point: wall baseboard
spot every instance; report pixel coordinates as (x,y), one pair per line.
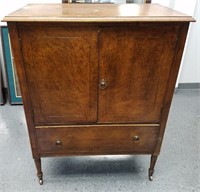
(189,86)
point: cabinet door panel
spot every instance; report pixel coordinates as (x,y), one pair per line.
(62,73)
(136,63)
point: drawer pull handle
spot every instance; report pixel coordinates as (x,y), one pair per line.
(103,84)
(58,142)
(136,138)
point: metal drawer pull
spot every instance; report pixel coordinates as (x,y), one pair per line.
(58,142)
(136,138)
(103,84)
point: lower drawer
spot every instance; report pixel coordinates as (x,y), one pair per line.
(75,140)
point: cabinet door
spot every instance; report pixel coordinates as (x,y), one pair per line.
(62,72)
(135,65)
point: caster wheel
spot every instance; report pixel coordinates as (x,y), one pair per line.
(41,181)
(151,178)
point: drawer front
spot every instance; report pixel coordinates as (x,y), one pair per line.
(96,139)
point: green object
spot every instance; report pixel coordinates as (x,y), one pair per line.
(14,95)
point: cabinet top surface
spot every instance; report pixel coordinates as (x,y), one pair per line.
(96,13)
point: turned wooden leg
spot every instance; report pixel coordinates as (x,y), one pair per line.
(39,171)
(152,165)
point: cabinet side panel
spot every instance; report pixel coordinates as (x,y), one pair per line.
(16,50)
(171,84)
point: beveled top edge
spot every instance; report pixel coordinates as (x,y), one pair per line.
(96,13)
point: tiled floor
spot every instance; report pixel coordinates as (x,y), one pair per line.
(177,168)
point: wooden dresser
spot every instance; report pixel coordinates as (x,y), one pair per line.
(97,79)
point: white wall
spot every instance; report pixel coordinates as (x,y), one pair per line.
(190,72)
(190,65)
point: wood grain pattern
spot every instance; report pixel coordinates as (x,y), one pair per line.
(62,71)
(136,64)
(96,140)
(97,13)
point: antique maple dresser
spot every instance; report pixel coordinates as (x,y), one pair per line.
(97,79)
